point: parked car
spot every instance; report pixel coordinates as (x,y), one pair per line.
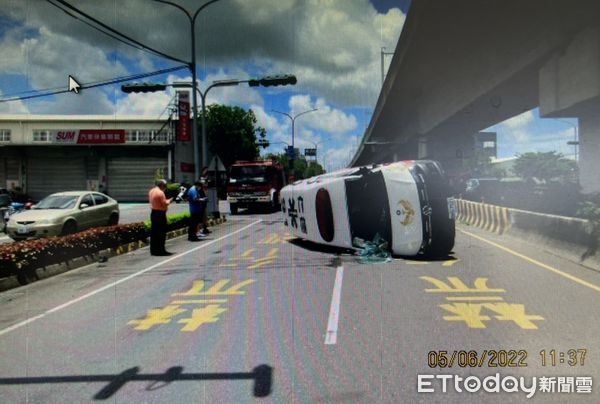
(407,204)
(64,213)
(5,200)
(8,211)
(14,195)
(482,188)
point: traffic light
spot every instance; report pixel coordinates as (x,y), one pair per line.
(267,81)
(282,80)
(143,87)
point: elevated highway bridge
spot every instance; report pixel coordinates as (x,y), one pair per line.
(462,66)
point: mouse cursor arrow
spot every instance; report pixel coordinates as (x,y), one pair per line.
(74,85)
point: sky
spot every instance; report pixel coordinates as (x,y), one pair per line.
(332,46)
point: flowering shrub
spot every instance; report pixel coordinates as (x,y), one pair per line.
(25,256)
(174,221)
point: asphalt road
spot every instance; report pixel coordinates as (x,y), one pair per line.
(207,324)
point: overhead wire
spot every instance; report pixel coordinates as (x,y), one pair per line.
(98,29)
(45,93)
(101,24)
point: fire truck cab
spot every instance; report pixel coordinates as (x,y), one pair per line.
(255,184)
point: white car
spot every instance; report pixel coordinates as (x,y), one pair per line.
(64,213)
(407,203)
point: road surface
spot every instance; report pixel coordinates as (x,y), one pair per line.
(251,315)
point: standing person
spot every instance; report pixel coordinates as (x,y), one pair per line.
(204,220)
(158,217)
(196,200)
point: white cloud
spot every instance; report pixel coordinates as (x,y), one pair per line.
(146,104)
(336,158)
(332,46)
(326,118)
(13,107)
(49,58)
(519,121)
(267,121)
(240,94)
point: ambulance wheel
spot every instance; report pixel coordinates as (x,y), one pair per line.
(233,208)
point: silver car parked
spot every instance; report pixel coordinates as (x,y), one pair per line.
(64,213)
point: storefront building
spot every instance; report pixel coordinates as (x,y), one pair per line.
(120,156)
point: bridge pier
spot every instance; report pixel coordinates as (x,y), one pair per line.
(570,87)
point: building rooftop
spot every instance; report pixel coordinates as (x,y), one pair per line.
(76,118)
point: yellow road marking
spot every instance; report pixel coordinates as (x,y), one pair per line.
(248,253)
(470,298)
(469,313)
(208,314)
(458,286)
(449,263)
(536,262)
(157,317)
(515,313)
(201,301)
(216,289)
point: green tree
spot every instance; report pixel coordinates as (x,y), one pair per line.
(481,166)
(545,167)
(302,168)
(232,133)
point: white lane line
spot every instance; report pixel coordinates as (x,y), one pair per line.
(334,310)
(111,285)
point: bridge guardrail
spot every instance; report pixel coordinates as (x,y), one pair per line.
(575,239)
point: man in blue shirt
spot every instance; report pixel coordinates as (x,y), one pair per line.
(197,201)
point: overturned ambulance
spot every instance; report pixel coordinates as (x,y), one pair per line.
(407,203)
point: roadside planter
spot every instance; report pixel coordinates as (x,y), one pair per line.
(21,259)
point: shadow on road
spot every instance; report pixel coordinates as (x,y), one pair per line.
(425,258)
(262,376)
(323,248)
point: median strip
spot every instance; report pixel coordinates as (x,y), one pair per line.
(31,260)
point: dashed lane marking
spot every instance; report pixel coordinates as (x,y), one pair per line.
(334,311)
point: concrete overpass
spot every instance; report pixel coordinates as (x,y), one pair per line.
(462,66)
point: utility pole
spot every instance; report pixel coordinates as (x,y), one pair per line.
(192,67)
(383,54)
(293,119)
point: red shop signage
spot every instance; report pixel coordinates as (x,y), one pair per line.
(101,136)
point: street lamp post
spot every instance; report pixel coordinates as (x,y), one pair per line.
(293,119)
(287,79)
(192,67)
(575,141)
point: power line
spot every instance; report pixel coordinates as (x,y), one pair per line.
(45,93)
(100,30)
(100,23)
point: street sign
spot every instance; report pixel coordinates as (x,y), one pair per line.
(216,165)
(310,152)
(290,152)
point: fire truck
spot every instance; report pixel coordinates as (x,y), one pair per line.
(255,184)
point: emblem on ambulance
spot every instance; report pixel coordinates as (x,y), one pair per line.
(405,211)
